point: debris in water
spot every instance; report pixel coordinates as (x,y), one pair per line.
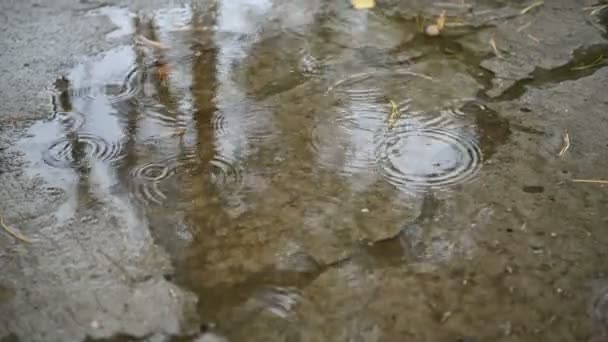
(392,119)
(446,315)
(591,181)
(566,143)
(14,233)
(150,43)
(532,6)
(162,71)
(494,48)
(598,61)
(363,4)
(435,29)
(536,40)
(524,26)
(595,9)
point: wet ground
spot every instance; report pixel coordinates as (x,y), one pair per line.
(267,170)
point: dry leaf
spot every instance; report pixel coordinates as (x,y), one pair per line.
(441,21)
(162,71)
(363,4)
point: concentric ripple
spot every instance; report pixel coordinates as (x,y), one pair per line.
(429,158)
(245,120)
(225,175)
(152,172)
(163,117)
(114,92)
(69,120)
(76,149)
(149,182)
(147,179)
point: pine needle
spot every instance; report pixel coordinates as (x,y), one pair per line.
(536,40)
(14,233)
(598,61)
(566,144)
(524,26)
(591,181)
(493,45)
(531,7)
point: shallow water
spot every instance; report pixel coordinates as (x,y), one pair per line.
(275,147)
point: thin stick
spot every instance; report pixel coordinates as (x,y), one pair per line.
(14,233)
(590,181)
(532,6)
(566,144)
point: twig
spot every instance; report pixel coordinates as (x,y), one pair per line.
(14,233)
(532,6)
(566,144)
(590,181)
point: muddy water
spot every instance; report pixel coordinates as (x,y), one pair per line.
(283,153)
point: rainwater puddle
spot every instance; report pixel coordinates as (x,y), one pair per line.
(208,118)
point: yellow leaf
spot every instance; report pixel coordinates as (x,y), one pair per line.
(394,116)
(363,4)
(441,21)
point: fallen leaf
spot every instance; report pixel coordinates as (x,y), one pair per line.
(363,4)
(162,72)
(441,21)
(394,116)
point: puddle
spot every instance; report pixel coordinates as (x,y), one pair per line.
(261,132)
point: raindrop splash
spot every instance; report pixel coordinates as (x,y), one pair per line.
(75,149)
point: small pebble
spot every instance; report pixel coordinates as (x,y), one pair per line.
(446,315)
(432,30)
(365,210)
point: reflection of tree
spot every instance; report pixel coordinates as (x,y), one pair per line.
(204,85)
